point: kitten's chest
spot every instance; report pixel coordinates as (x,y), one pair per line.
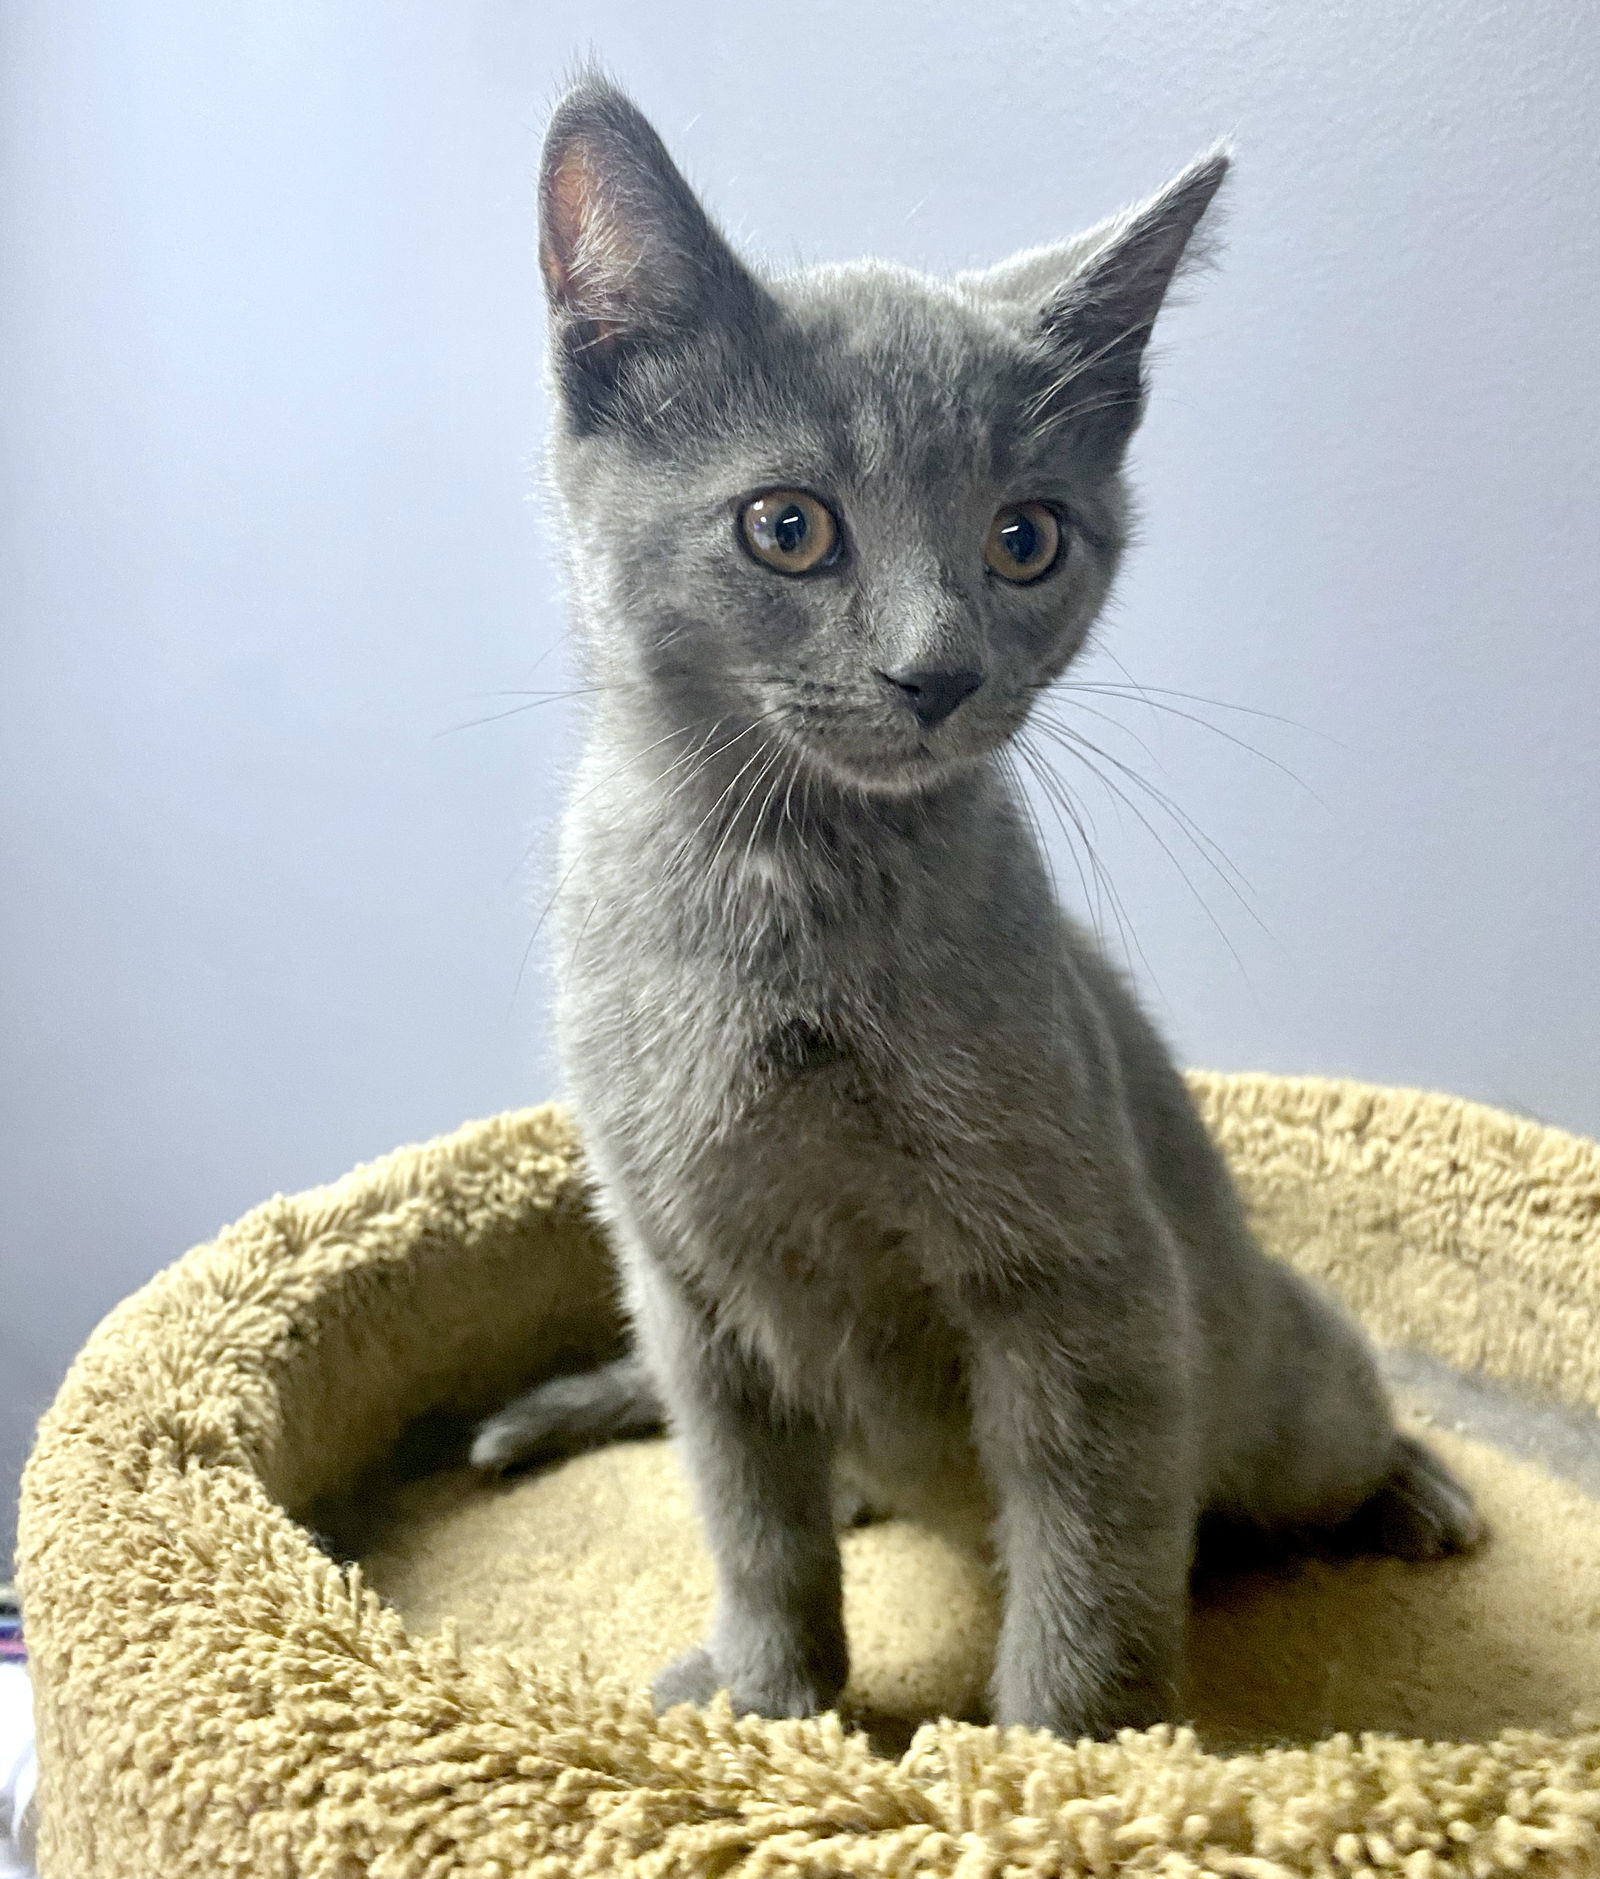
(756,988)
(769,1078)
(825,1067)
(822,1269)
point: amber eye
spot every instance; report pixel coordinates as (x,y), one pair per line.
(789,531)
(1024,542)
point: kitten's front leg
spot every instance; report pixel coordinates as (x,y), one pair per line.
(1085,1445)
(762,1480)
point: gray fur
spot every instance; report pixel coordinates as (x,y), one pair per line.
(907,1194)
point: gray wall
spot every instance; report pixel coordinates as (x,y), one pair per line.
(269,377)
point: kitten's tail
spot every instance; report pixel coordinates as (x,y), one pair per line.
(570,1414)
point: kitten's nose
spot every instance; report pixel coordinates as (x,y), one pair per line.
(934,695)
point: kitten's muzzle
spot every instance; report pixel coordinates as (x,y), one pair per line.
(931,694)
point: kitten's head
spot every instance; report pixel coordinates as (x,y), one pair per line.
(874,511)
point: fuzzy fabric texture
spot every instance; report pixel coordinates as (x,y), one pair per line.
(218,1697)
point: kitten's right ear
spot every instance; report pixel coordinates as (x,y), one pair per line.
(631,261)
(1095,300)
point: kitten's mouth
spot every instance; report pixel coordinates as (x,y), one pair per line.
(864,753)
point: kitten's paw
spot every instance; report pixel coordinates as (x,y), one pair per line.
(518,1433)
(567,1414)
(695,1678)
(691,1678)
(1422,1512)
(854,1507)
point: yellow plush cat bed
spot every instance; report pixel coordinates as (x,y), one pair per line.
(218,1697)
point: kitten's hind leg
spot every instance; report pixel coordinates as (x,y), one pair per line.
(1421,1512)
(1418,1512)
(567,1415)
(1336,1475)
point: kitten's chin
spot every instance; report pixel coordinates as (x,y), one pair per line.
(880,773)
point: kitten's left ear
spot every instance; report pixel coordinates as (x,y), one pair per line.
(632,264)
(1096,298)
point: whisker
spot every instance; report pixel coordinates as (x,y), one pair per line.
(1066,810)
(773,756)
(1210,851)
(577,944)
(682,849)
(555,893)
(538,927)
(1116,724)
(714,719)
(766,803)
(535,700)
(1106,892)
(1217,730)
(1071,746)
(1148,692)
(788,792)
(560,639)
(755,724)
(679,730)
(1020,791)
(1020,796)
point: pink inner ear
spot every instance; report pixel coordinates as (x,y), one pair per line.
(584,257)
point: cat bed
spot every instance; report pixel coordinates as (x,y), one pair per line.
(218,1695)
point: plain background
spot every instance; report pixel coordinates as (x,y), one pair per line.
(270,344)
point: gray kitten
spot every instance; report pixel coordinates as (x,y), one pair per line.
(912,1208)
